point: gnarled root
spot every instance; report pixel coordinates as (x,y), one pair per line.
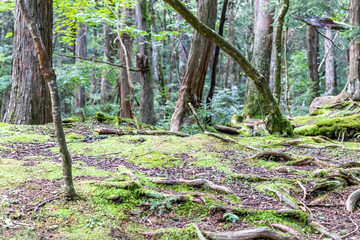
(270,154)
(352,200)
(253,233)
(194,183)
(314,161)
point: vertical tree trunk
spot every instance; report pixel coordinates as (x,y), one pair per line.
(4,102)
(352,87)
(80,51)
(44,60)
(30,98)
(254,103)
(144,77)
(216,58)
(329,64)
(105,84)
(230,63)
(275,70)
(126,93)
(312,42)
(192,84)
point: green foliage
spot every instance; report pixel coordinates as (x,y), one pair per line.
(230,217)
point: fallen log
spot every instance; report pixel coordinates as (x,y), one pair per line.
(105,131)
(352,200)
(194,183)
(226,129)
(253,233)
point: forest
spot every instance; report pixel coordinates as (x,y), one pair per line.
(169,119)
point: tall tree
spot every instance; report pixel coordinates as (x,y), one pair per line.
(255,102)
(329,63)
(144,52)
(126,90)
(275,122)
(29,98)
(80,51)
(44,61)
(312,43)
(352,87)
(191,89)
(105,84)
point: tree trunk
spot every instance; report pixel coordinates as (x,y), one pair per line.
(352,87)
(4,102)
(329,64)
(144,77)
(105,87)
(49,76)
(216,58)
(30,98)
(80,51)
(312,42)
(275,71)
(275,121)
(230,64)
(192,84)
(254,102)
(126,93)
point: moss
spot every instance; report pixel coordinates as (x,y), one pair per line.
(333,127)
(180,234)
(72,120)
(213,159)
(73,137)
(236,120)
(307,130)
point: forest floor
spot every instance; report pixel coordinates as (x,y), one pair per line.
(119,180)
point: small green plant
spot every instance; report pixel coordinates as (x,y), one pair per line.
(230,217)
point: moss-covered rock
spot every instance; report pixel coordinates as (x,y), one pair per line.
(73,137)
(71,120)
(236,120)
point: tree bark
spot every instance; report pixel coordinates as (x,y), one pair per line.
(80,51)
(216,58)
(255,102)
(312,42)
(275,121)
(276,56)
(49,76)
(30,98)
(126,91)
(352,87)
(105,87)
(329,64)
(192,84)
(144,77)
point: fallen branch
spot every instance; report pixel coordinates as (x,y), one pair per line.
(352,200)
(226,129)
(352,232)
(42,204)
(253,233)
(198,232)
(349,165)
(196,117)
(270,154)
(319,147)
(194,183)
(226,139)
(121,132)
(326,232)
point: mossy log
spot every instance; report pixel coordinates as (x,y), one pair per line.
(225,129)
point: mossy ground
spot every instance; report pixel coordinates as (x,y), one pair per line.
(110,208)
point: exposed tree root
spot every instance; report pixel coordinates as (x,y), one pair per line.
(253,233)
(225,129)
(326,232)
(120,132)
(230,140)
(352,232)
(283,198)
(352,200)
(349,165)
(270,154)
(251,178)
(325,187)
(194,183)
(42,204)
(319,147)
(198,232)
(122,184)
(303,188)
(311,160)
(287,229)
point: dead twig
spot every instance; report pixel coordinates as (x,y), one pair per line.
(303,188)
